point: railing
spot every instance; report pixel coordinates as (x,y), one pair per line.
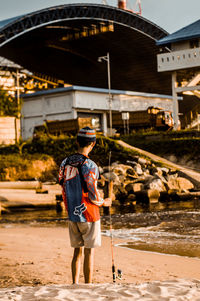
(178,59)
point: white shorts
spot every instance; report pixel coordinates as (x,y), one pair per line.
(86,234)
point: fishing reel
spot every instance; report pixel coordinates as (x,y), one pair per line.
(119,274)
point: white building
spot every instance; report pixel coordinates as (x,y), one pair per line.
(73,102)
(183,61)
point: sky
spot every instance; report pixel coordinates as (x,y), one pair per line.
(171,15)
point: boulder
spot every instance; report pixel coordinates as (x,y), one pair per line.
(143,161)
(165,170)
(157,184)
(179,183)
(153,195)
(111,176)
(184,184)
(134,187)
(138,169)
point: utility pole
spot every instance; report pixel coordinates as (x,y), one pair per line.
(107,59)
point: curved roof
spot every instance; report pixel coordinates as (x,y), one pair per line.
(65,41)
(191,31)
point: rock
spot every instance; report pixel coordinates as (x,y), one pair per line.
(159,172)
(120,193)
(142,181)
(100,170)
(172,158)
(159,176)
(129,187)
(121,178)
(131,171)
(118,170)
(143,161)
(157,184)
(184,184)
(179,183)
(121,169)
(148,179)
(152,170)
(138,169)
(101,181)
(111,176)
(146,172)
(133,187)
(138,187)
(165,170)
(134,161)
(153,195)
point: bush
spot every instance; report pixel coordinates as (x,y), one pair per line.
(14,167)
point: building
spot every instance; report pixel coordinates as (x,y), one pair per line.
(72,102)
(182,60)
(65,41)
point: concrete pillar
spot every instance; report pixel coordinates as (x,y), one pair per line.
(175,102)
(104,124)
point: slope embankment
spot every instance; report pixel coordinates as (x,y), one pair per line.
(191,174)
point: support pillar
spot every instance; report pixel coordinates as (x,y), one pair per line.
(104,124)
(175,102)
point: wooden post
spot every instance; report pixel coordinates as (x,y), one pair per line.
(110,189)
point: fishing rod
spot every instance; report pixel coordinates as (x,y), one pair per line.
(110,191)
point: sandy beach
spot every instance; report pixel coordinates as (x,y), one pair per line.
(35,265)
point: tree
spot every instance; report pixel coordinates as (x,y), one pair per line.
(8,104)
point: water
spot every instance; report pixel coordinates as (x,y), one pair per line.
(171,228)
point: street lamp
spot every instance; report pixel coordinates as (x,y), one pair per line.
(107,59)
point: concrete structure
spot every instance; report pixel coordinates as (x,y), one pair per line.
(183,61)
(73,36)
(72,102)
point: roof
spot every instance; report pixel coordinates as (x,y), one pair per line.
(96,90)
(8,21)
(191,31)
(65,41)
(8,64)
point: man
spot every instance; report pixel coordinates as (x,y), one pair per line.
(78,176)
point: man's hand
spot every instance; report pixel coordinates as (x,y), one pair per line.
(107,202)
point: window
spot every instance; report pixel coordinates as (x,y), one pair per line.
(194,43)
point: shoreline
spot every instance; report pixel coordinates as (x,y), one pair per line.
(35,265)
(42,255)
(154,252)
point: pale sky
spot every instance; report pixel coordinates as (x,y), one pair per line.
(171,15)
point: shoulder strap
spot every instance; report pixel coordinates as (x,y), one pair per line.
(83,183)
(79,165)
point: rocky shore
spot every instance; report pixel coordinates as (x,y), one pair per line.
(140,180)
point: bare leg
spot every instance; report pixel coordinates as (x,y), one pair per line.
(88,264)
(76,265)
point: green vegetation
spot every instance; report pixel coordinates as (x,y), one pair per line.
(177,143)
(8,104)
(20,157)
(14,167)
(44,148)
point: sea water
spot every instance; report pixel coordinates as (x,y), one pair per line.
(171,228)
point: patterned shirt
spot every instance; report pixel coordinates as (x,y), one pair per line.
(78,175)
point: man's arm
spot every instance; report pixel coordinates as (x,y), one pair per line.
(90,176)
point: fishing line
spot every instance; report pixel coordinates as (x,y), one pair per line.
(110,189)
(111,230)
